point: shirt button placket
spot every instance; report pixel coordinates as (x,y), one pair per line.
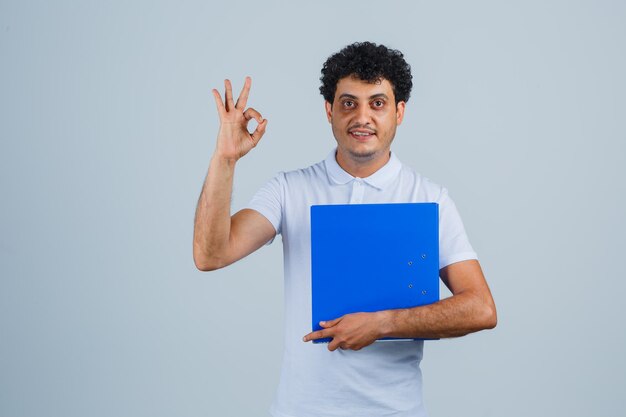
(357,191)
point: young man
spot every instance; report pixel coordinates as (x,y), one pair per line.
(365,87)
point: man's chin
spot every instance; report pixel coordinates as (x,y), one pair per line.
(362,155)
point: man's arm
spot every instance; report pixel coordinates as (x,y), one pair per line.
(470,308)
(220,239)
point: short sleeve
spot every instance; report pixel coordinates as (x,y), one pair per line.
(268,201)
(454,246)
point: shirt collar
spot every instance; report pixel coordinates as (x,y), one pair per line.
(378,179)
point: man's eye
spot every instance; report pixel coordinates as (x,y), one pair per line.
(348,103)
(378,103)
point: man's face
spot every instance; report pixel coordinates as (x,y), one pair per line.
(364,117)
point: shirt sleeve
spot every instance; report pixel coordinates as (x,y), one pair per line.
(268,201)
(454,246)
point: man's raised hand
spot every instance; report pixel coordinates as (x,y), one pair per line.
(234,140)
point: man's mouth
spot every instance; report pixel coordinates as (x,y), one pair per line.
(361,134)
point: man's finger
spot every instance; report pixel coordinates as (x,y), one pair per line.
(218,101)
(243,96)
(330,323)
(259,131)
(320,334)
(230,104)
(252,114)
(333,345)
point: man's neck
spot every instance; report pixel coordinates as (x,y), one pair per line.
(362,168)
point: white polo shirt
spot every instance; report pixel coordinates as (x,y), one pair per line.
(383,378)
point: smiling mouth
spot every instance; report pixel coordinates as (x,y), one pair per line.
(361,134)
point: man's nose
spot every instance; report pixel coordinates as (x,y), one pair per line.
(363,115)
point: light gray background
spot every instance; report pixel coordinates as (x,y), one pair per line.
(107,125)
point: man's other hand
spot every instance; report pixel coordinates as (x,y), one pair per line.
(352,331)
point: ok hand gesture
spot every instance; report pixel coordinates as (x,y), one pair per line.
(234,140)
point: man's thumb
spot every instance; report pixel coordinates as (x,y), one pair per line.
(329,323)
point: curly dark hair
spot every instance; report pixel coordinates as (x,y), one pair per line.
(368,62)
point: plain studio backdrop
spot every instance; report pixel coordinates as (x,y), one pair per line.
(107,126)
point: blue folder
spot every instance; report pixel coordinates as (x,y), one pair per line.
(372,257)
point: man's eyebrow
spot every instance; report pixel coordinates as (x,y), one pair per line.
(379,95)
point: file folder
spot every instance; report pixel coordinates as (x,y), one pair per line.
(372,257)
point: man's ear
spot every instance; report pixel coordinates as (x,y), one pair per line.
(400,112)
(329,110)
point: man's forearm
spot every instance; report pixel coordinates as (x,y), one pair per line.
(471,308)
(212,226)
(452,317)
(212,221)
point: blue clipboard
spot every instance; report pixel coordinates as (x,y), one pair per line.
(372,257)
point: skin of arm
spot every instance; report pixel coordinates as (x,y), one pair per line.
(470,308)
(220,239)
